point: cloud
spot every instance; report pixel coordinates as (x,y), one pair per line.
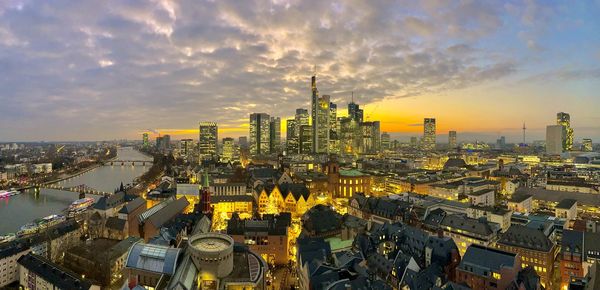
(116,67)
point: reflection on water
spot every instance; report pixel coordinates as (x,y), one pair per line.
(18,210)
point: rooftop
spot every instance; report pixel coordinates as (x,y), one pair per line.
(482,259)
(58,276)
(152,258)
(526,237)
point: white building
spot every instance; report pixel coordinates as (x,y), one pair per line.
(9,268)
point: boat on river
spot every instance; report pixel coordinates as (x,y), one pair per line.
(80,205)
(7,193)
(7,238)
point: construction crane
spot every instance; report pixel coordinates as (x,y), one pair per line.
(60,148)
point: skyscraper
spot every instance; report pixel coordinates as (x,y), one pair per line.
(305,140)
(370,137)
(413,142)
(385,141)
(260,134)
(208,140)
(452,139)
(291,137)
(321,125)
(186,146)
(166,142)
(555,135)
(228,149)
(586,145)
(243,142)
(501,143)
(145,140)
(564,119)
(355,112)
(429,134)
(275,134)
(334,141)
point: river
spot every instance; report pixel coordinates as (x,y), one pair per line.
(18,210)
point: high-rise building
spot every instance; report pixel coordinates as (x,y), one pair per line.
(291,137)
(166,142)
(350,136)
(564,119)
(243,142)
(501,143)
(321,125)
(586,145)
(228,149)
(305,140)
(334,141)
(429,134)
(452,139)
(260,134)
(275,134)
(385,141)
(145,140)
(208,140)
(413,142)
(555,135)
(370,137)
(160,143)
(355,112)
(186,146)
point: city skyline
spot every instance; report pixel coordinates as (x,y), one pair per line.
(500,64)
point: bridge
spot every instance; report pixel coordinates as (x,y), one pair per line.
(82,188)
(128,162)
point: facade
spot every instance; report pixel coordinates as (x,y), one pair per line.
(186,146)
(564,119)
(9,254)
(321,125)
(385,141)
(429,134)
(522,203)
(266,236)
(291,137)
(355,112)
(275,135)
(334,130)
(555,134)
(294,198)
(36,272)
(370,138)
(229,204)
(467,231)
(305,144)
(452,140)
(534,248)
(230,188)
(130,213)
(567,209)
(485,268)
(208,139)
(260,134)
(228,150)
(586,145)
(151,220)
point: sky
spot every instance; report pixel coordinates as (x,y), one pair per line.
(104,70)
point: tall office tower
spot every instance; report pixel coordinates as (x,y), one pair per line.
(166,142)
(350,136)
(355,112)
(243,142)
(501,143)
(321,125)
(208,140)
(186,146)
(305,140)
(160,143)
(564,119)
(413,142)
(586,145)
(370,137)
(429,134)
(260,134)
(314,103)
(385,141)
(452,139)
(228,149)
(275,135)
(334,140)
(291,137)
(145,140)
(555,134)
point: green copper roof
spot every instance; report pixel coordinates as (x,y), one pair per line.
(351,172)
(205,182)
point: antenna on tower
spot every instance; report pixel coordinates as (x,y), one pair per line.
(315,70)
(524,128)
(352,96)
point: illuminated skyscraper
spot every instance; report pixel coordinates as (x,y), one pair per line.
(305,143)
(413,142)
(452,140)
(321,125)
(354,111)
(586,145)
(275,134)
(208,140)
(564,119)
(260,134)
(243,142)
(186,146)
(145,140)
(291,137)
(555,134)
(228,149)
(429,134)
(334,130)
(371,135)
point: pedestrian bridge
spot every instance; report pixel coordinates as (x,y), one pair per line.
(128,162)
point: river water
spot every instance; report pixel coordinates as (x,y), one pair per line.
(18,210)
